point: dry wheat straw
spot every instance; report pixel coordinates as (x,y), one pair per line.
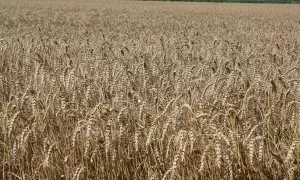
(289,155)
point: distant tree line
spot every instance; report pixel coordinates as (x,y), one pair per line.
(243,1)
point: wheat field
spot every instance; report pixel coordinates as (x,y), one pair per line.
(149,90)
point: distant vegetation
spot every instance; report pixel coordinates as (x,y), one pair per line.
(244,1)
